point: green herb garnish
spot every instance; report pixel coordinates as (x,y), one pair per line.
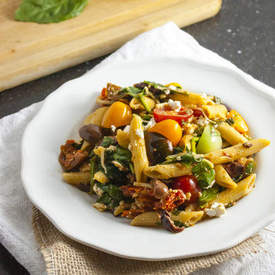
(185,158)
(49,11)
(208,195)
(205,173)
(107,141)
(111,196)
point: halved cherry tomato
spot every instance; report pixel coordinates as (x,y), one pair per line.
(104,93)
(188,184)
(168,128)
(118,114)
(180,116)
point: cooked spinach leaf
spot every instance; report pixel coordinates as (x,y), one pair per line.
(122,155)
(107,141)
(92,172)
(205,173)
(208,195)
(111,196)
(49,11)
(117,172)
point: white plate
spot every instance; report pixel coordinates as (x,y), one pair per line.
(70,210)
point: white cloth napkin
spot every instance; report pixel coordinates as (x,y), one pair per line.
(16,210)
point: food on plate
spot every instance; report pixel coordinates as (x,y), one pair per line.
(162,156)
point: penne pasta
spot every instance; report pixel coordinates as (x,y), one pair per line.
(95,117)
(146,219)
(237,151)
(222,178)
(215,111)
(188,218)
(232,195)
(76,178)
(196,148)
(230,134)
(138,149)
(166,171)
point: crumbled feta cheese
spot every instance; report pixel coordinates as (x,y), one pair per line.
(174,105)
(97,190)
(126,129)
(216,210)
(140,133)
(202,121)
(167,92)
(178,158)
(113,128)
(161,106)
(150,124)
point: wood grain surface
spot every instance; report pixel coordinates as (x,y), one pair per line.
(29,50)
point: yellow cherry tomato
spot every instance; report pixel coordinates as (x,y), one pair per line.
(239,123)
(168,128)
(118,114)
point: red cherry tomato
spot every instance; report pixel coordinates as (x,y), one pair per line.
(188,184)
(180,116)
(104,93)
(197,113)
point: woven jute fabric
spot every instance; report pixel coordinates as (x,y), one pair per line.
(65,256)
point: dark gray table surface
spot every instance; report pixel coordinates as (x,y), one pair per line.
(243,32)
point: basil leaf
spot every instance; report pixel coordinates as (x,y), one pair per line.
(208,195)
(49,11)
(205,174)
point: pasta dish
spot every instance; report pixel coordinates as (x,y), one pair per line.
(162,156)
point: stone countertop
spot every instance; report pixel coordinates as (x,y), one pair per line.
(243,32)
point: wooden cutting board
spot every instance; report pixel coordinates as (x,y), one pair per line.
(29,50)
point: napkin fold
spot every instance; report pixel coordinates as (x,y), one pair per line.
(16,232)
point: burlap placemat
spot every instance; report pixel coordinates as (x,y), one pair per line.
(65,256)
